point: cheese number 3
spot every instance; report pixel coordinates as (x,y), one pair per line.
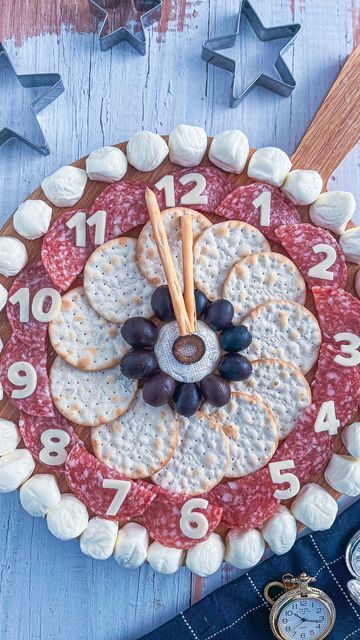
(194,196)
(55,442)
(22,298)
(351,349)
(79,222)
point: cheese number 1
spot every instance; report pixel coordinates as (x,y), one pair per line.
(263,202)
(194,196)
(79,222)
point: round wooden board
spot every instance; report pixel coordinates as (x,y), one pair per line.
(93,189)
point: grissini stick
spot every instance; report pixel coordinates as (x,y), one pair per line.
(167,262)
(188,269)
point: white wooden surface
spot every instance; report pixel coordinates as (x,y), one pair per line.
(48,590)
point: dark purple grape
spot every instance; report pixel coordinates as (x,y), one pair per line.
(187,399)
(138,364)
(235,338)
(158,389)
(216,390)
(234,366)
(201,303)
(162,305)
(139,332)
(219,314)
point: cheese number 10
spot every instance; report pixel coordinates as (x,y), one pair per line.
(22,298)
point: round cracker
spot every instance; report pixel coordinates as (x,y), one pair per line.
(114,284)
(139,443)
(262,277)
(90,398)
(146,250)
(83,338)
(285,330)
(281,387)
(201,457)
(252,431)
(218,248)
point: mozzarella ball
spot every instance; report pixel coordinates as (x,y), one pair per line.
(350,436)
(206,557)
(343,474)
(13,256)
(32,219)
(107,164)
(302,187)
(244,549)
(229,150)
(9,436)
(269,164)
(164,559)
(15,468)
(65,187)
(333,210)
(350,245)
(68,519)
(187,145)
(146,150)
(357,283)
(280,531)
(314,507)
(131,546)
(3,297)
(98,539)
(39,494)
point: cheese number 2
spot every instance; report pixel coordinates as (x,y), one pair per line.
(277,477)
(79,222)
(320,270)
(194,196)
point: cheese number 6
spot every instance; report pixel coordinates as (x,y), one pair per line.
(189,518)
(279,478)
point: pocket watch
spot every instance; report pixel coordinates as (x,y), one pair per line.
(301,612)
(352,558)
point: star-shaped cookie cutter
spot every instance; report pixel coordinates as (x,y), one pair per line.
(55,88)
(284,84)
(101,9)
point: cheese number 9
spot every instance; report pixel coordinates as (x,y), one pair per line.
(189,518)
(22,375)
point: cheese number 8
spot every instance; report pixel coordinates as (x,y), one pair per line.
(55,442)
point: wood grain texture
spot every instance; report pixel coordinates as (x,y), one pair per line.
(108,97)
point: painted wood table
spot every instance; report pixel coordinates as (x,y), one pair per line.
(48,589)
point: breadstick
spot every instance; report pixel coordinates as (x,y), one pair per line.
(188,269)
(172,280)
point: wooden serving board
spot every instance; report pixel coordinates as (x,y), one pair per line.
(331,135)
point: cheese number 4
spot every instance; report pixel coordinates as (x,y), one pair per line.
(326,419)
(55,442)
(277,477)
(194,196)
(79,222)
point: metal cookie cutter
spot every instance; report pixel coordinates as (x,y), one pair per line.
(33,80)
(150,11)
(284,84)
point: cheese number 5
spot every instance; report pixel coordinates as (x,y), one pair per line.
(122,489)
(277,477)
(351,349)
(194,196)
(22,375)
(320,270)
(55,442)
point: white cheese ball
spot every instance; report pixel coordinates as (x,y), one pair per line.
(206,557)
(350,436)
(98,539)
(146,150)
(65,187)
(333,210)
(39,494)
(164,559)
(280,531)
(9,436)
(244,549)
(350,245)
(107,164)
(357,283)
(15,468)
(303,186)
(32,219)
(343,474)
(314,507)
(3,297)
(229,150)
(187,145)
(13,256)
(68,519)
(131,546)
(269,164)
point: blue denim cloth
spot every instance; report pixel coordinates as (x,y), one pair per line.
(238,611)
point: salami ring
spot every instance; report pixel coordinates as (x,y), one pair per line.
(338,312)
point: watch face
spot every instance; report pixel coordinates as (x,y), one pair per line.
(306,619)
(355,559)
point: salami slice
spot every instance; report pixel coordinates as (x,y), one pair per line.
(162,520)
(32,375)
(85,475)
(316,253)
(246,502)
(338,312)
(124,203)
(62,259)
(215,188)
(33,333)
(239,205)
(32,429)
(335,382)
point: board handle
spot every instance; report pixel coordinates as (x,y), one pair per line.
(335,129)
